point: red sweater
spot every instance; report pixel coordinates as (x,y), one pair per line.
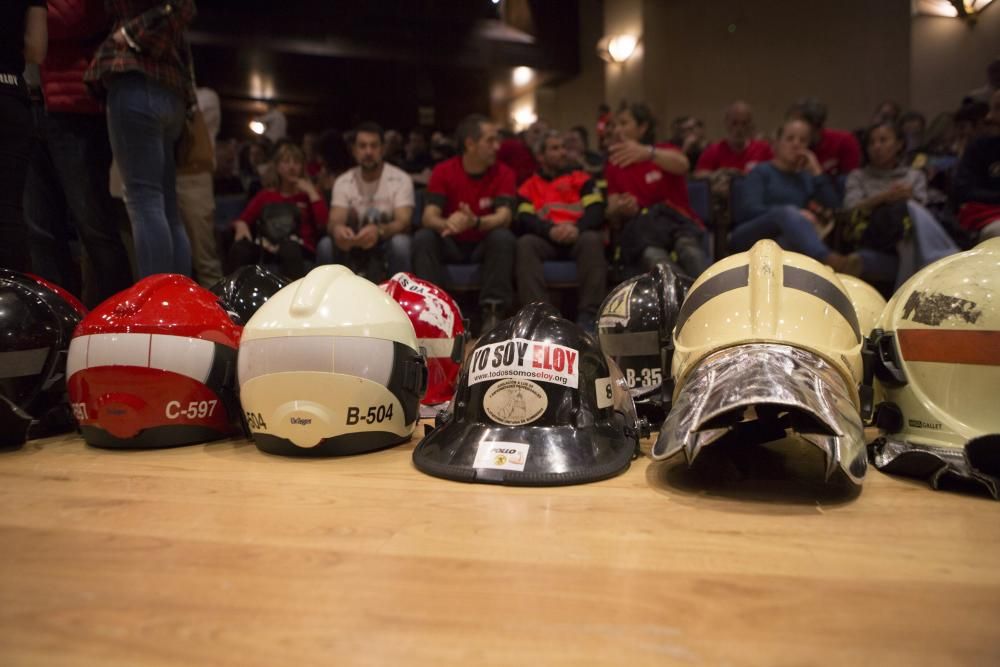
(311,216)
(76,28)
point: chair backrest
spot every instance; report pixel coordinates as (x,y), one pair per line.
(700,196)
(418,208)
(736,186)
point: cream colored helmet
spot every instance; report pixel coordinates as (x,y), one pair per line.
(329,365)
(774,331)
(938,363)
(868,304)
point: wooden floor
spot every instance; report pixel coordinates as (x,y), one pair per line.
(219,554)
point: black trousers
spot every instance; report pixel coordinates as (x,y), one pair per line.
(290,257)
(496,252)
(68,181)
(15,146)
(591,269)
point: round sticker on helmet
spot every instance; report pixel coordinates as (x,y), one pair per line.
(515,402)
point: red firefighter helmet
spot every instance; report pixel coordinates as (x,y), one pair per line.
(440,331)
(154,366)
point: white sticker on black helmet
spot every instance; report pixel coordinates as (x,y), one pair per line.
(515,402)
(618,309)
(604,392)
(519,358)
(501,456)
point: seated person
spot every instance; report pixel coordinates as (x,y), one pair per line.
(640,174)
(579,154)
(688,133)
(837,151)
(977,180)
(559,215)
(876,199)
(370,212)
(739,152)
(280,224)
(470,203)
(775,199)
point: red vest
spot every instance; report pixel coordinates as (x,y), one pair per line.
(557,200)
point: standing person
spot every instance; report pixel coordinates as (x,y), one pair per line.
(370,212)
(141,69)
(559,215)
(196,199)
(68,174)
(23,39)
(470,203)
(977,180)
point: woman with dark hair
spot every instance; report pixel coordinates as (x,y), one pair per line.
(23,38)
(642,173)
(775,198)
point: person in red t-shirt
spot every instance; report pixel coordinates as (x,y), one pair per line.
(838,151)
(470,203)
(739,152)
(641,174)
(286,220)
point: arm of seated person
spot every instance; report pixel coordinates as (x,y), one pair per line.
(671,160)
(338,229)
(402,218)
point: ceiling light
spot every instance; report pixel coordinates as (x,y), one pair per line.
(617,48)
(523,76)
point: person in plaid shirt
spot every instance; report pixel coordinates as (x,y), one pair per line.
(142,68)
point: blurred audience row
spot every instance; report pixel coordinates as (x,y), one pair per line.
(116,95)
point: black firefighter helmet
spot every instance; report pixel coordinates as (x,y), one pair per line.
(537,404)
(36,323)
(635,327)
(246,289)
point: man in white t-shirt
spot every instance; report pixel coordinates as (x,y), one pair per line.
(370,211)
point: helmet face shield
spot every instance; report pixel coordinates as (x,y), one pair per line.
(538,403)
(786,386)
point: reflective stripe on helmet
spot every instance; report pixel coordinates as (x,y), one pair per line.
(956,346)
(191,357)
(369,358)
(21,363)
(792,278)
(820,287)
(726,281)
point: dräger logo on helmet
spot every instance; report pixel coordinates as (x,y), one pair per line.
(301,421)
(525,359)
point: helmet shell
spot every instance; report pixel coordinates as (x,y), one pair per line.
(439,327)
(329,366)
(154,366)
(768,295)
(537,403)
(37,320)
(246,289)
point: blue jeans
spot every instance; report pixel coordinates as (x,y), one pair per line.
(68,181)
(145,121)
(787,226)
(397,252)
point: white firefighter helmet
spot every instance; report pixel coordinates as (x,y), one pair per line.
(774,331)
(329,365)
(937,361)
